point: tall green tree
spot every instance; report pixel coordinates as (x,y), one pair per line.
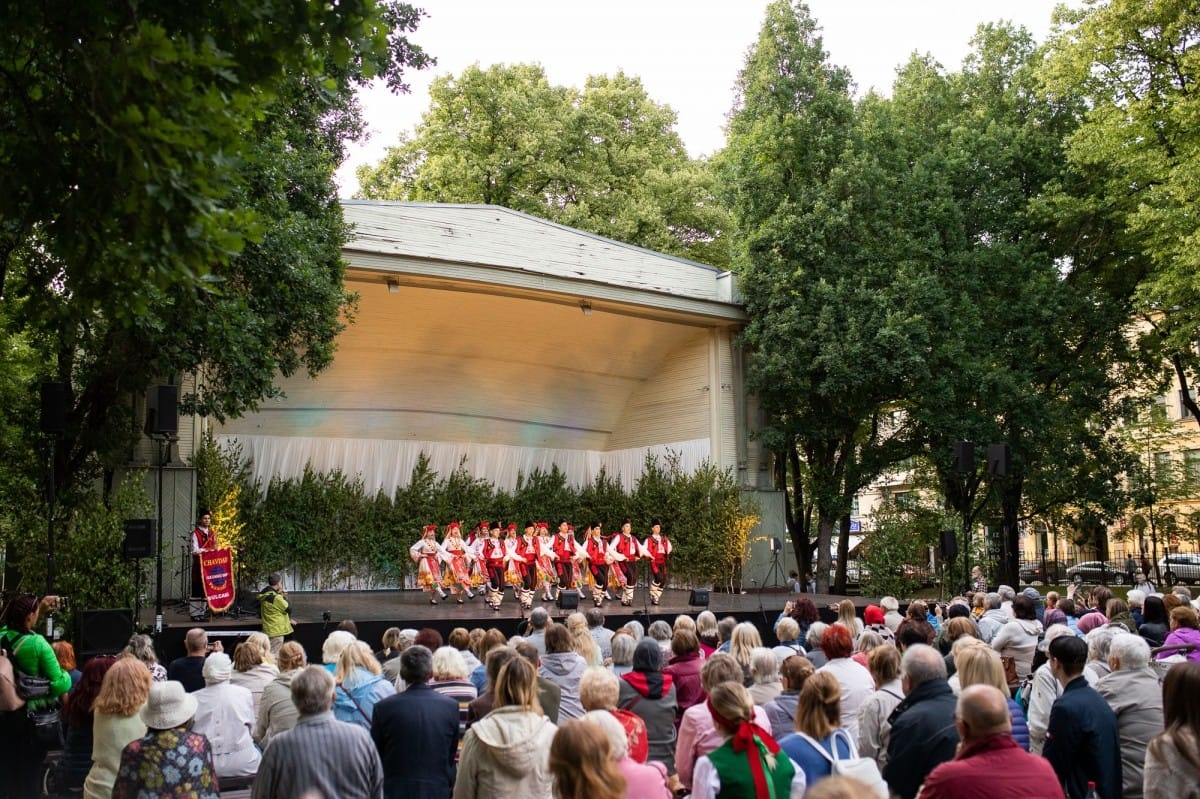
(832,293)
(168,202)
(1129,197)
(605,159)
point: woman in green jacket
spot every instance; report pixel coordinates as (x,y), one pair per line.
(21,755)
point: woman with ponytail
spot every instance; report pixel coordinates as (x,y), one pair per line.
(818,726)
(750,764)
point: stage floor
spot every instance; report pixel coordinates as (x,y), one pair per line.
(316,613)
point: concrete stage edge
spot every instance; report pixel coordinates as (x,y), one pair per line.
(375,611)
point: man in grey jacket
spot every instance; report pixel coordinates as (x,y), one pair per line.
(1133,693)
(993,618)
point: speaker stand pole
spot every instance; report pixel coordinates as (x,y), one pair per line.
(163,443)
(137,593)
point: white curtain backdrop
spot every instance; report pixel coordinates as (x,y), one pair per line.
(386,464)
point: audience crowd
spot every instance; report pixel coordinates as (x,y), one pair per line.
(995,694)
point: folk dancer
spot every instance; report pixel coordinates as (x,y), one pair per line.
(428,554)
(492,553)
(545,560)
(625,552)
(658,553)
(514,562)
(527,551)
(596,550)
(566,554)
(459,558)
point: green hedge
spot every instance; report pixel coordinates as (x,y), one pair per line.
(327,527)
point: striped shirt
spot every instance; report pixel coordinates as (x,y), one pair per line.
(323,754)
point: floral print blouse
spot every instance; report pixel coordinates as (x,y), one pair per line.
(173,763)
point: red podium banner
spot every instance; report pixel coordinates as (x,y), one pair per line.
(216,572)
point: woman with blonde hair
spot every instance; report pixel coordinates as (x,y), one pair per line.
(742,643)
(250,670)
(706,631)
(749,764)
(116,722)
(360,685)
(506,753)
(582,763)
(847,616)
(581,640)
(276,711)
(980,665)
(874,730)
(819,729)
(260,639)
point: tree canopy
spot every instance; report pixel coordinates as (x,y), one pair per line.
(605,159)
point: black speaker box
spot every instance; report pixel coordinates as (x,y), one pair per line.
(139,538)
(997,460)
(54,408)
(949,545)
(568,599)
(698,598)
(964,457)
(104,632)
(162,410)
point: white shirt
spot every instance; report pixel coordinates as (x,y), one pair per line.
(857,686)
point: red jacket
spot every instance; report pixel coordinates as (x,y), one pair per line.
(993,768)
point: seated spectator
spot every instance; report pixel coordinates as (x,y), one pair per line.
(360,685)
(661,632)
(742,642)
(1172,767)
(563,666)
(781,711)
(980,665)
(225,716)
(189,669)
(460,639)
(486,700)
(1043,692)
(332,649)
(914,631)
(813,643)
(391,645)
(622,645)
(116,722)
(250,672)
(73,766)
(64,653)
(548,693)
(650,694)
(867,640)
(764,670)
(1155,624)
(874,728)
(172,759)
(891,612)
(490,640)
(873,620)
(818,724)
(855,681)
(1133,693)
(706,632)
(787,632)
(684,668)
(1185,632)
(600,689)
(276,711)
(582,763)
(642,780)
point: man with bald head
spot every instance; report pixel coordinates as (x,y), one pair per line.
(989,764)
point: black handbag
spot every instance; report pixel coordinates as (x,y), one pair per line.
(47,727)
(28,686)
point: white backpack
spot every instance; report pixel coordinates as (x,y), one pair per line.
(863,769)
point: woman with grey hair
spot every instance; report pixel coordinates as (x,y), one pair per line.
(660,631)
(764,670)
(141,647)
(623,645)
(815,631)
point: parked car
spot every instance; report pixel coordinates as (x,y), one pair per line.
(1180,568)
(1053,573)
(1097,571)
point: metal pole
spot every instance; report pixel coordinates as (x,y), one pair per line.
(158,597)
(50,527)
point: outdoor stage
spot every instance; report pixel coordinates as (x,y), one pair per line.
(316,613)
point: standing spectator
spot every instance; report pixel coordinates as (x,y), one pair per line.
(65,654)
(189,669)
(855,681)
(225,715)
(417,733)
(684,668)
(978,581)
(171,760)
(989,765)
(72,767)
(1082,742)
(818,716)
(1132,691)
(320,756)
(698,732)
(923,734)
(359,685)
(116,722)
(1184,632)
(563,666)
(981,666)
(1039,607)
(506,753)
(650,694)
(142,647)
(30,653)
(250,672)
(276,711)
(874,729)
(273,608)
(642,780)
(1018,638)
(1172,769)
(743,764)
(1131,568)
(582,763)
(1141,583)
(781,711)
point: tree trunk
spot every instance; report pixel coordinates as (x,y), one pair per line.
(825,525)
(843,554)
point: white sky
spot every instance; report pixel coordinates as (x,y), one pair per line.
(687,52)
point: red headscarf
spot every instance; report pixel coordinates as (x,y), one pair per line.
(745,734)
